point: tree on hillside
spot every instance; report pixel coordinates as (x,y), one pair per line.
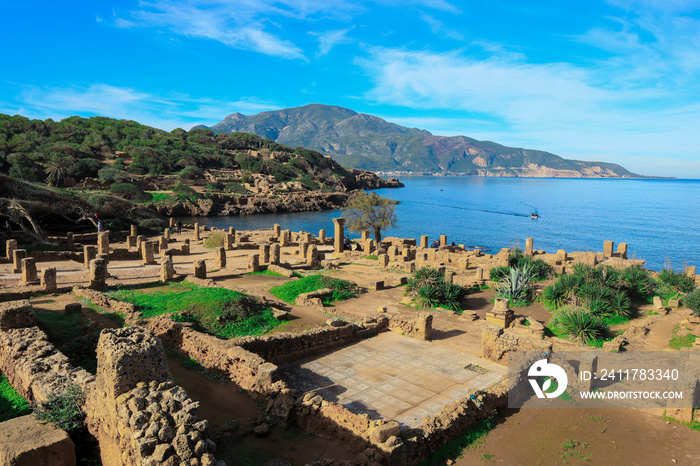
(370,212)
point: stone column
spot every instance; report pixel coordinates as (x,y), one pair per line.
(172,222)
(200,269)
(529,246)
(424,241)
(365,235)
(232,231)
(196,232)
(185,247)
(321,236)
(622,250)
(265,253)
(140,239)
(98,274)
(690,271)
(479,273)
(286,238)
(276,230)
(561,257)
(89,253)
(303,246)
(29,270)
(166,269)
(464,263)
(220,257)
(307,237)
(608,249)
(229,239)
(70,244)
(48,279)
(166,233)
(163,246)
(369,246)
(312,256)
(443,240)
(10,245)
(275,254)
(147,253)
(339,238)
(383,261)
(17,256)
(103,242)
(253,263)
(424,326)
(500,315)
(134,230)
(131,241)
(449,276)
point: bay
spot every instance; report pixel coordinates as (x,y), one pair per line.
(659,219)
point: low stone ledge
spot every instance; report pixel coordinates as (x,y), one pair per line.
(128,310)
(24,441)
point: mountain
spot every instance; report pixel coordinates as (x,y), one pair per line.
(371,143)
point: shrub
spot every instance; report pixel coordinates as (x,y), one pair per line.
(554,296)
(639,284)
(677,281)
(64,410)
(516,286)
(215,240)
(129,191)
(429,289)
(580,324)
(540,270)
(496,274)
(112,175)
(692,301)
(190,173)
(185,191)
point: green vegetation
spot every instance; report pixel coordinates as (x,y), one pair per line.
(692,301)
(74,335)
(215,240)
(516,285)
(428,288)
(695,425)
(681,341)
(12,404)
(270,273)
(579,324)
(370,212)
(673,282)
(219,311)
(342,289)
(453,449)
(64,410)
(539,269)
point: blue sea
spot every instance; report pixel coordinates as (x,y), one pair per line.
(659,219)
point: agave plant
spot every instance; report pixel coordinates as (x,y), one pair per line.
(516,286)
(555,296)
(428,295)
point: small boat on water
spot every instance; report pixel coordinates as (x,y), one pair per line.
(534,215)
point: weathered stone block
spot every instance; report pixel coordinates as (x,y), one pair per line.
(89,253)
(275,254)
(383,260)
(500,315)
(25,441)
(98,274)
(253,263)
(339,238)
(622,250)
(265,253)
(16,314)
(17,256)
(147,253)
(220,257)
(134,230)
(29,274)
(200,269)
(608,247)
(424,241)
(103,242)
(321,236)
(10,246)
(197,236)
(48,279)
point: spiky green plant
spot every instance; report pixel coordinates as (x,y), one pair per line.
(516,286)
(428,295)
(555,296)
(677,281)
(580,324)
(638,283)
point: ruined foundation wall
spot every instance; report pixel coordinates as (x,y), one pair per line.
(496,343)
(128,310)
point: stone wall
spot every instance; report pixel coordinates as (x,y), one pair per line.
(497,342)
(418,327)
(136,412)
(128,310)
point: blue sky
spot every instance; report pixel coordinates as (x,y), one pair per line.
(614,80)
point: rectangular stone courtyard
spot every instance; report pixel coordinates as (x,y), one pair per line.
(394,377)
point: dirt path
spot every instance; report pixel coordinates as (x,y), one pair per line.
(585,436)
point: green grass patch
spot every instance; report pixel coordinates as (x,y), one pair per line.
(372,257)
(219,311)
(12,404)
(453,449)
(695,425)
(342,289)
(215,240)
(74,335)
(616,319)
(678,342)
(267,273)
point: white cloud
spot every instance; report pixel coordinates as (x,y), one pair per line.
(165,112)
(329,39)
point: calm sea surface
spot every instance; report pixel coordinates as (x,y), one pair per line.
(659,219)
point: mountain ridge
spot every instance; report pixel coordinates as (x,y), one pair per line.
(369,142)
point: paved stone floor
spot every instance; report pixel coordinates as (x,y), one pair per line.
(394,377)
